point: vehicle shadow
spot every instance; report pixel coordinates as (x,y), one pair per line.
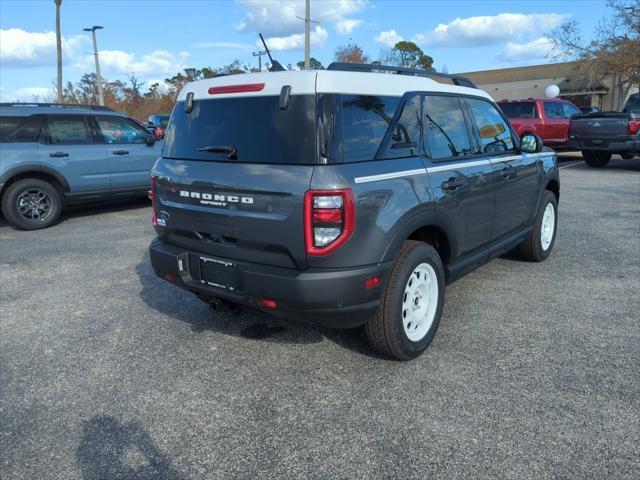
(111,449)
(250,324)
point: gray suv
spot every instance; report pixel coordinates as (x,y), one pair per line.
(345,197)
(55,155)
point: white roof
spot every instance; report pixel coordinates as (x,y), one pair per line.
(325,81)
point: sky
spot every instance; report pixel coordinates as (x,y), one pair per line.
(154,39)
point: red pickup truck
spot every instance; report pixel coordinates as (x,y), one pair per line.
(546,117)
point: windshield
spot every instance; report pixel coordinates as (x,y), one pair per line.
(519,109)
(255,128)
(633,104)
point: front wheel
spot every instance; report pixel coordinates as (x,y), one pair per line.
(538,245)
(411,305)
(596,159)
(31,203)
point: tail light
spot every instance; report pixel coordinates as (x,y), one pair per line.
(634,127)
(152,197)
(159,132)
(329,220)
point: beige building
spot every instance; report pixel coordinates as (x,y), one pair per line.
(525,82)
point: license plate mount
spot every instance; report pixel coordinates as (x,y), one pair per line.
(217,273)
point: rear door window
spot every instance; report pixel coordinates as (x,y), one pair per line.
(365,122)
(118,130)
(493,131)
(404,138)
(255,128)
(445,128)
(553,110)
(67,130)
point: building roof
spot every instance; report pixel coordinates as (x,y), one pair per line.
(516,74)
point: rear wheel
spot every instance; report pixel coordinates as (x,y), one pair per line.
(595,158)
(538,245)
(31,203)
(411,305)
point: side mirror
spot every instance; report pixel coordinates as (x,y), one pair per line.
(151,140)
(531,143)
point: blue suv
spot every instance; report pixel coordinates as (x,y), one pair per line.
(55,155)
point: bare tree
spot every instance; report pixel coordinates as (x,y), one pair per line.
(59,50)
(614,49)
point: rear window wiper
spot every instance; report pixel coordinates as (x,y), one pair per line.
(230,150)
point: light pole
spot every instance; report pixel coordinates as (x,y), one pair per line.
(95,54)
(259,54)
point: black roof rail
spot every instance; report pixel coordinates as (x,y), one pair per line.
(60,105)
(371,67)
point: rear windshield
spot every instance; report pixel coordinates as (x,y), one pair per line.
(519,109)
(633,104)
(255,127)
(164,121)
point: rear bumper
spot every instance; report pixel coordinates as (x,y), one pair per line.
(332,298)
(617,145)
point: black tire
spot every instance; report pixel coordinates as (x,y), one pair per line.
(596,159)
(532,248)
(45,195)
(386,331)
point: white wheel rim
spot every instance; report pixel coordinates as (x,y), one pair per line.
(420,302)
(547,229)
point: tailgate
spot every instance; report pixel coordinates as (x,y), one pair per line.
(600,126)
(241,211)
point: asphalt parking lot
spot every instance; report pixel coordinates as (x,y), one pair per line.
(108,372)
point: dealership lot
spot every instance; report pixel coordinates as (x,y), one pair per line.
(108,372)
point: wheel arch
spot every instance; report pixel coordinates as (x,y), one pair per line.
(421,226)
(554,186)
(35,171)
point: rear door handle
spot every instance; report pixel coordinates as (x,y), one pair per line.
(121,152)
(508,173)
(59,154)
(452,184)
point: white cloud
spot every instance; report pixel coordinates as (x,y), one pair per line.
(19,48)
(27,94)
(526,52)
(119,62)
(225,45)
(389,38)
(280,18)
(347,26)
(488,30)
(296,41)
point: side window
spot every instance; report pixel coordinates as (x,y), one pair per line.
(365,121)
(569,110)
(445,128)
(553,110)
(404,138)
(493,131)
(119,130)
(8,125)
(67,130)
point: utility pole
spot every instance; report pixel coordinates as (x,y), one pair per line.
(59,50)
(307,34)
(95,54)
(259,54)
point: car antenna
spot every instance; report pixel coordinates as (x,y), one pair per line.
(275,65)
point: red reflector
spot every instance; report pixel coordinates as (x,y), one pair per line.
(247,87)
(634,127)
(169,277)
(373,282)
(327,215)
(265,302)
